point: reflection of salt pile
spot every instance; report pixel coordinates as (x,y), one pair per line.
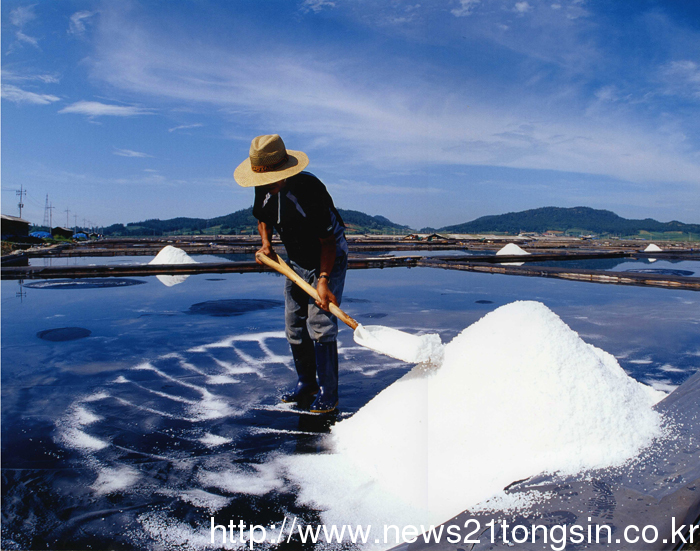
(518,393)
(514,250)
(172,255)
(652,248)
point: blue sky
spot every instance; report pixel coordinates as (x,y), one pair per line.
(429,112)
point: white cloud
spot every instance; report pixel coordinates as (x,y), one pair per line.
(683,78)
(466,7)
(97,109)
(14,77)
(367,110)
(522,7)
(316,5)
(77,22)
(130,153)
(17,95)
(19,17)
(27,39)
(185,126)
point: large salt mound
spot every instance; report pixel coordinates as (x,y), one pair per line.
(518,393)
(172,255)
(652,248)
(513,249)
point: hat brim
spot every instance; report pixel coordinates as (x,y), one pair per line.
(245,176)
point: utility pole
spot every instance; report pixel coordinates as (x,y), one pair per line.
(67,220)
(21,192)
(46,212)
(51,216)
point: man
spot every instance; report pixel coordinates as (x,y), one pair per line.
(297,205)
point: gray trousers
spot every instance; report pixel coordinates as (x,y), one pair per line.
(303,319)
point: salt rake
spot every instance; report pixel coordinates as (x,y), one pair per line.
(385,340)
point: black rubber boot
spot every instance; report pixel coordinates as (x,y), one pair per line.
(327,369)
(305,365)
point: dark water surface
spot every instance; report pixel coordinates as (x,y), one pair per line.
(139,420)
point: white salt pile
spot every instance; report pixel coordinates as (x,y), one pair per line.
(652,248)
(512,249)
(172,255)
(518,393)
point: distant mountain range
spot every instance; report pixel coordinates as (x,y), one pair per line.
(243,222)
(574,220)
(577,220)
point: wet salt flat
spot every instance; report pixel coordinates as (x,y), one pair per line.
(155,407)
(129,259)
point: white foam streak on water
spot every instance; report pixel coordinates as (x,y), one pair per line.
(112,480)
(518,393)
(199,498)
(79,440)
(172,534)
(259,481)
(213,440)
(238,369)
(132,405)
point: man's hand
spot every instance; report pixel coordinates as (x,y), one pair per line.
(324,294)
(266,249)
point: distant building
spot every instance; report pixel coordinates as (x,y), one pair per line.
(13,227)
(62,232)
(436,237)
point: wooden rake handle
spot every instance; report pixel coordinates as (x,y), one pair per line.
(282,267)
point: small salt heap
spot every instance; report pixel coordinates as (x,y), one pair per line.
(518,393)
(172,255)
(652,248)
(513,250)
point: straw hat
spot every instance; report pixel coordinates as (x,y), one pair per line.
(269,162)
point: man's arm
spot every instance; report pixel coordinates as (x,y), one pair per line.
(327,261)
(265,232)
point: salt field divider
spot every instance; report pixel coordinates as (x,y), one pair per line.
(578,274)
(481,263)
(53,272)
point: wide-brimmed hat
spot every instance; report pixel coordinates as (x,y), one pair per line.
(269,162)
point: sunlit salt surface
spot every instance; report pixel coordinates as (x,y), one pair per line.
(652,248)
(545,401)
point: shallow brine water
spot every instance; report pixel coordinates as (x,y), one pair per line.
(133,411)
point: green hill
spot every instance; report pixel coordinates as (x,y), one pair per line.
(243,222)
(572,220)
